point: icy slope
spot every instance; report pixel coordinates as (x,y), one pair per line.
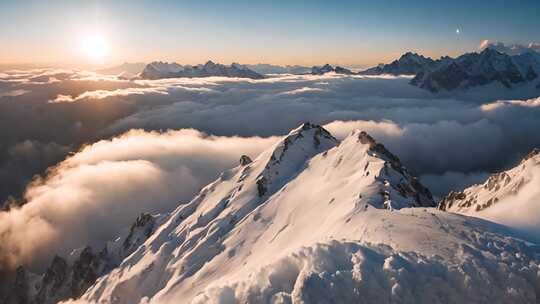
(308,222)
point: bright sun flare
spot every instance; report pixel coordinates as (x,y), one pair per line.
(95,46)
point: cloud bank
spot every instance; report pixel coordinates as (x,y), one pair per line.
(94,194)
(450,140)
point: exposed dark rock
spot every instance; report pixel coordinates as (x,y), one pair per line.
(261,186)
(245,160)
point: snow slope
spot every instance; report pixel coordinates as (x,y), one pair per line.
(312,220)
(496,188)
(510,197)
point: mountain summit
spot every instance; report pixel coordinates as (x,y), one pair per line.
(310,220)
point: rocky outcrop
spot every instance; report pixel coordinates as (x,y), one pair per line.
(65,279)
(245,160)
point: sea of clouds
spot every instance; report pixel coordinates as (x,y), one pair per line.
(115,148)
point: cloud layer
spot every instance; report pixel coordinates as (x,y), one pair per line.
(450,140)
(93,195)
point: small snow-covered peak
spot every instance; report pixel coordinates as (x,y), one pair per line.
(307,138)
(291,153)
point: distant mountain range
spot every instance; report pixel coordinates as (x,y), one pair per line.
(466,71)
(491,65)
(263,68)
(159,70)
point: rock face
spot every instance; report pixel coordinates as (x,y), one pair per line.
(317,70)
(70,278)
(408,64)
(159,70)
(495,189)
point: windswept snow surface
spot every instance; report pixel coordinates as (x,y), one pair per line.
(312,220)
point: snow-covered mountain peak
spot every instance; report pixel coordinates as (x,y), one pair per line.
(290,154)
(304,136)
(316,233)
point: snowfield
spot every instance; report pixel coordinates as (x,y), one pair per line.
(314,220)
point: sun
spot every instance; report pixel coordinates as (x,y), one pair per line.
(95,46)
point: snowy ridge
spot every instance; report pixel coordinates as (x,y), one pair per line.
(496,188)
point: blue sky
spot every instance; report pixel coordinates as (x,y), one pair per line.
(285,32)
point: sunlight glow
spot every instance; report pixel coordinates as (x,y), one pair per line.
(95,46)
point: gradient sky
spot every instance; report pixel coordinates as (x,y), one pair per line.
(352,33)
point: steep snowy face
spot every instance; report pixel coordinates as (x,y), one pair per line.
(159,70)
(497,187)
(194,233)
